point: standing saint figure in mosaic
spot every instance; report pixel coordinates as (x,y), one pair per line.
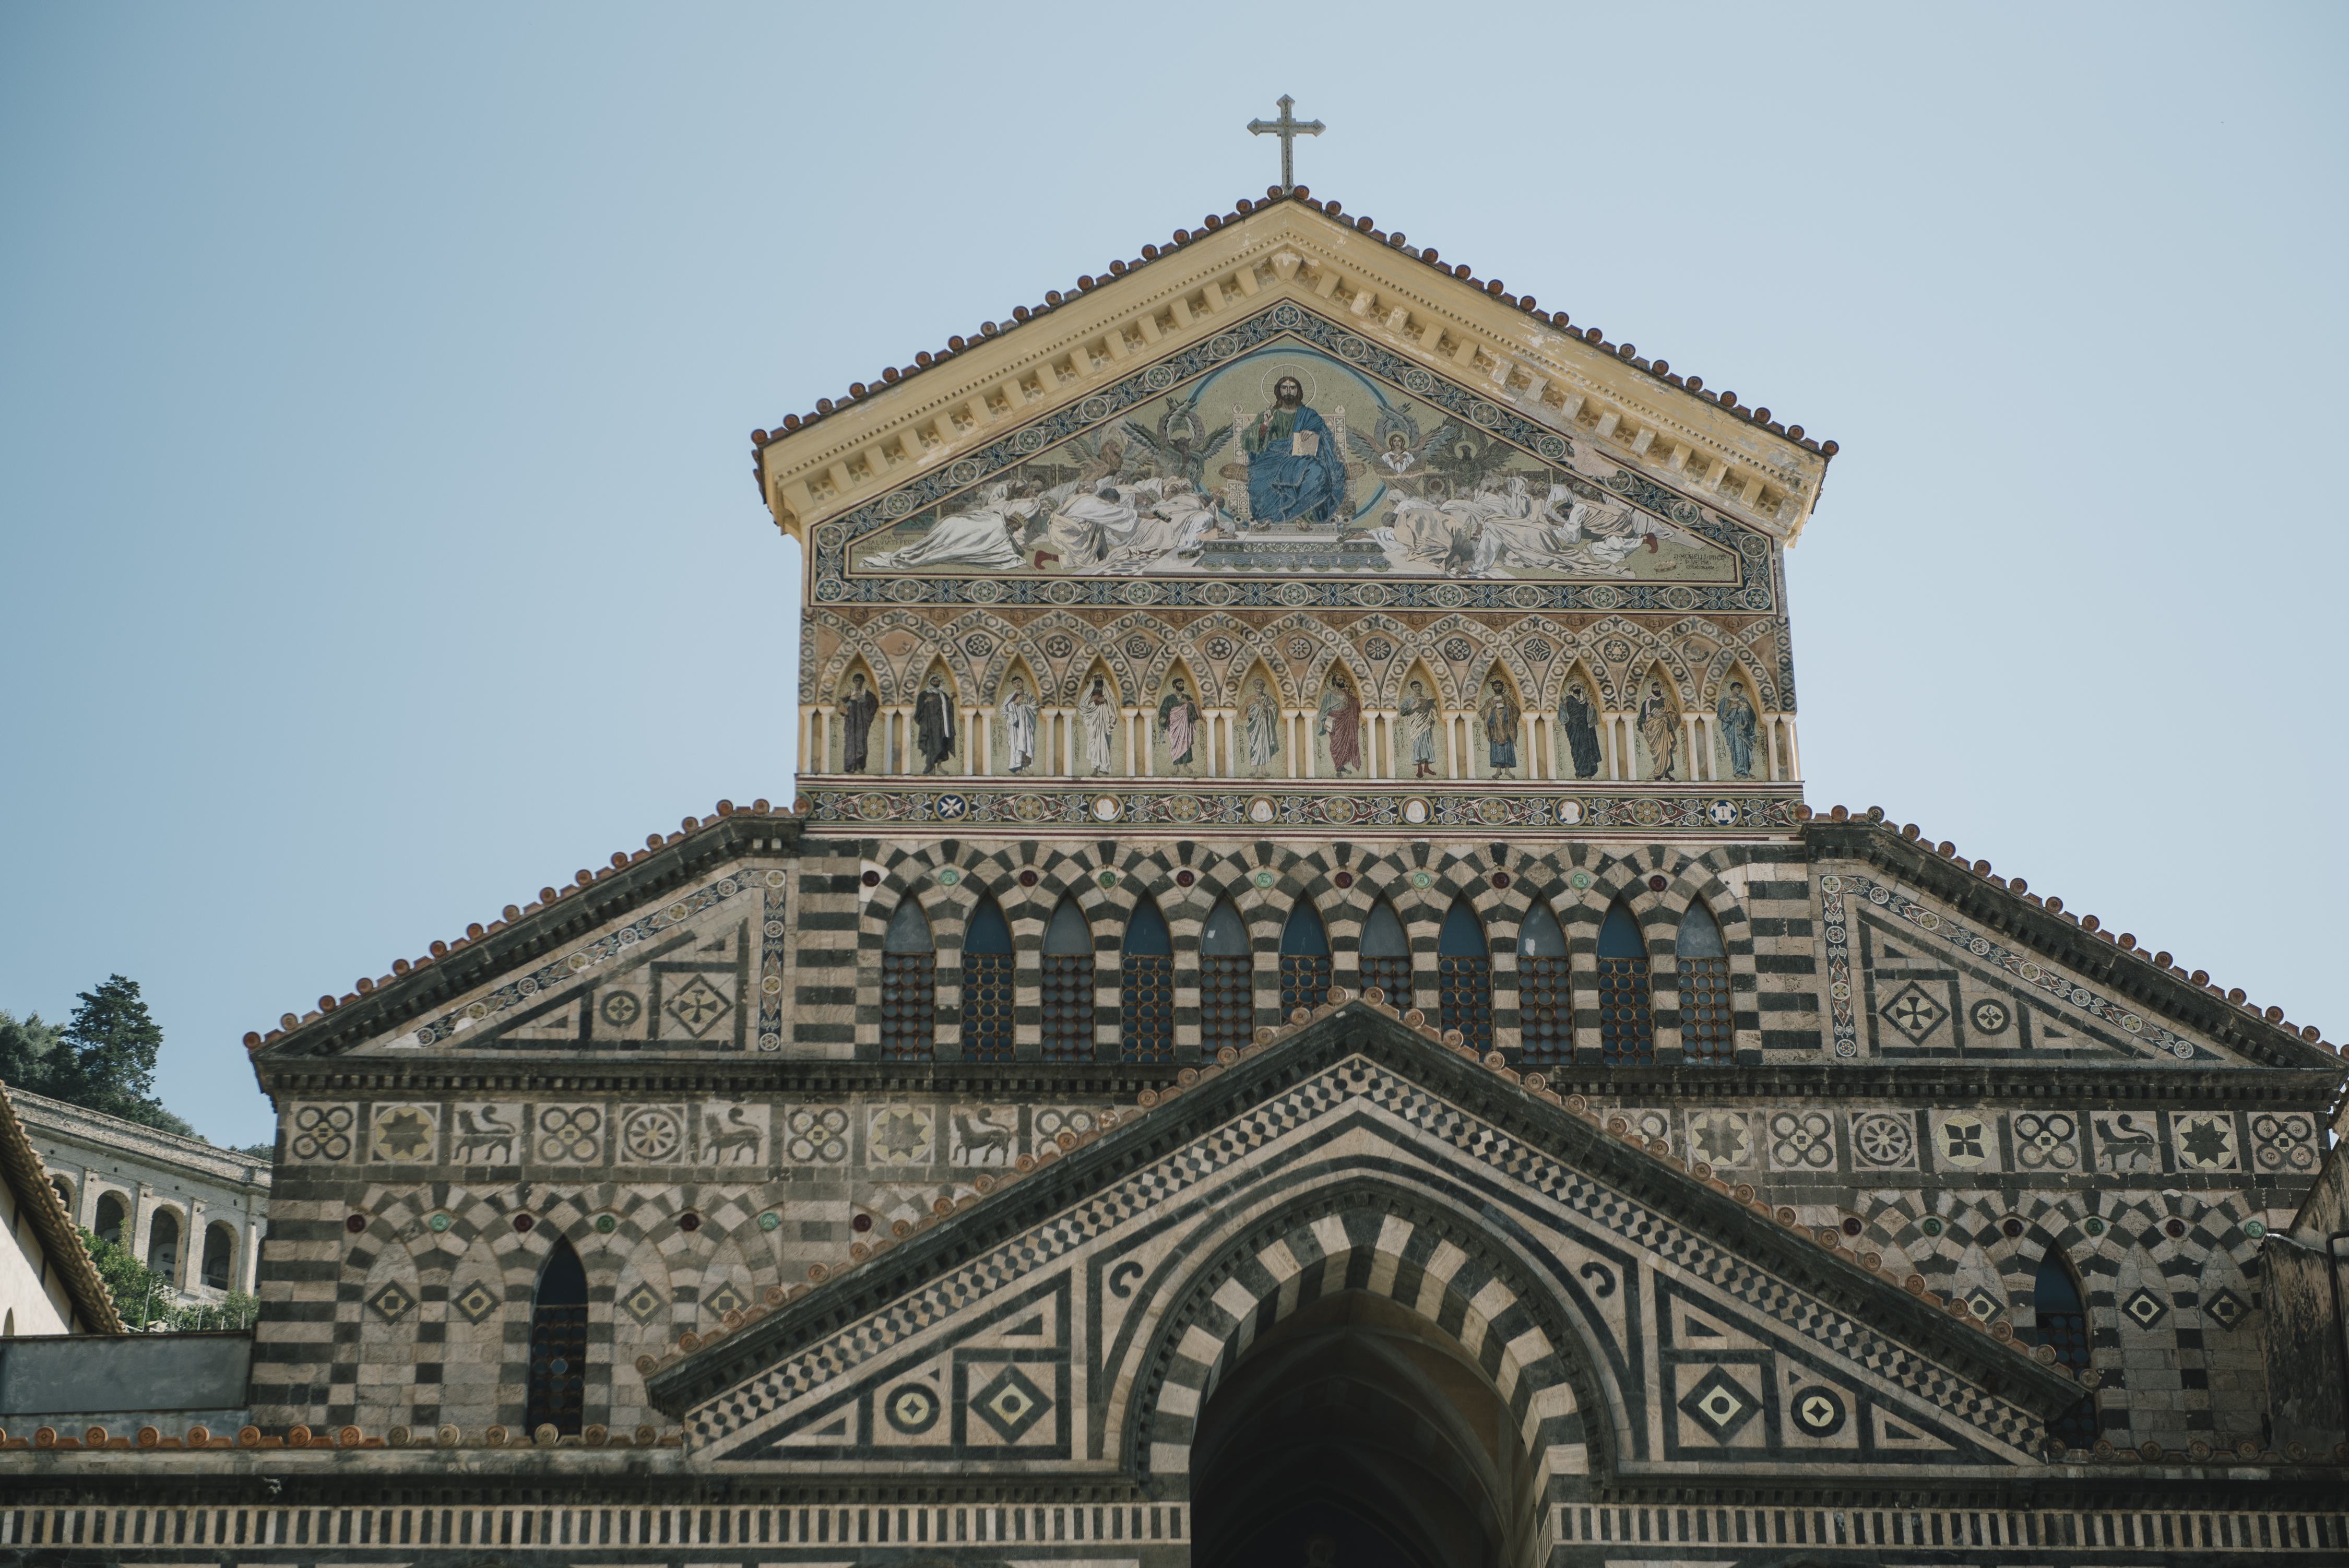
(1178,722)
(1579,719)
(934,724)
(856,711)
(1262,722)
(1018,715)
(1737,728)
(1660,727)
(1418,715)
(1341,721)
(1099,713)
(1501,732)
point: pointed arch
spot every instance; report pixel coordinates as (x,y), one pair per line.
(1464,970)
(1627,1030)
(1145,993)
(2059,1310)
(558,1343)
(987,974)
(1226,979)
(1544,992)
(1067,1021)
(1386,954)
(1304,959)
(909,985)
(935,739)
(1016,742)
(857,735)
(1700,970)
(1581,724)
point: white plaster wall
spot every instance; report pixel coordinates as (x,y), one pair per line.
(31,1296)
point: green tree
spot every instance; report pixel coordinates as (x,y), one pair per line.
(106,1058)
(28,1051)
(140,1295)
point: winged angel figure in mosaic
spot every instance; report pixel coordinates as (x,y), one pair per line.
(1181,442)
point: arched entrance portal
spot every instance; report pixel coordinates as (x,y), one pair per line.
(1356,1424)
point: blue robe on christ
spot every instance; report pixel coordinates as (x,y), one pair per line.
(1283,488)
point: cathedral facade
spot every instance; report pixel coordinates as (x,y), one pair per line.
(1297,1012)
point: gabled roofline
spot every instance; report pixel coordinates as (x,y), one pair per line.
(2077,942)
(561,916)
(891,375)
(1817,1263)
(29,1176)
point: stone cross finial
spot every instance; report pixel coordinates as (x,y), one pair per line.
(1288,127)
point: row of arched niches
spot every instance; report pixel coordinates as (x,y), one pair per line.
(1454,983)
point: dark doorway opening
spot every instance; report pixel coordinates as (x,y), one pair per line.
(1360,1434)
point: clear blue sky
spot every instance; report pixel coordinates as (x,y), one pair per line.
(377,528)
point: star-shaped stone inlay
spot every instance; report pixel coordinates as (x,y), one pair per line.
(1913,1012)
(2226,1308)
(901,1136)
(1011,1404)
(476,1301)
(2207,1142)
(403,1134)
(392,1301)
(643,1301)
(697,1007)
(2145,1309)
(1720,1404)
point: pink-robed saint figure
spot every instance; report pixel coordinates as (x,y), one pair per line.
(1341,721)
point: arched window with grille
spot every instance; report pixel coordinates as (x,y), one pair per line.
(1386,957)
(1545,998)
(1304,960)
(558,1344)
(1227,980)
(909,987)
(1627,1028)
(1703,966)
(1463,976)
(1145,987)
(1068,986)
(2062,1316)
(987,981)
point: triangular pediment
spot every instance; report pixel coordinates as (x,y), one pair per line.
(1147,357)
(1636,1315)
(671,951)
(1928,958)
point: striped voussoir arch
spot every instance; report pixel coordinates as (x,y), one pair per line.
(1388,1245)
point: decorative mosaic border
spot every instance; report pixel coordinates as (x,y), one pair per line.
(834,542)
(677,911)
(2027,970)
(1217,804)
(1840,1021)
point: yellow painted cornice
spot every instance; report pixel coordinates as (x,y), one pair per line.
(1289,250)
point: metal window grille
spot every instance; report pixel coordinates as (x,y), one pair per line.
(1465,998)
(1627,1030)
(556,1390)
(986,1006)
(1145,1007)
(1068,1016)
(1304,982)
(909,1006)
(1545,1012)
(1227,1001)
(1705,1034)
(1391,976)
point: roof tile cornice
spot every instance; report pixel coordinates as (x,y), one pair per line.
(28,1177)
(966,395)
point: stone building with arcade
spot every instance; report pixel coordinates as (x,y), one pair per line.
(1295,1011)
